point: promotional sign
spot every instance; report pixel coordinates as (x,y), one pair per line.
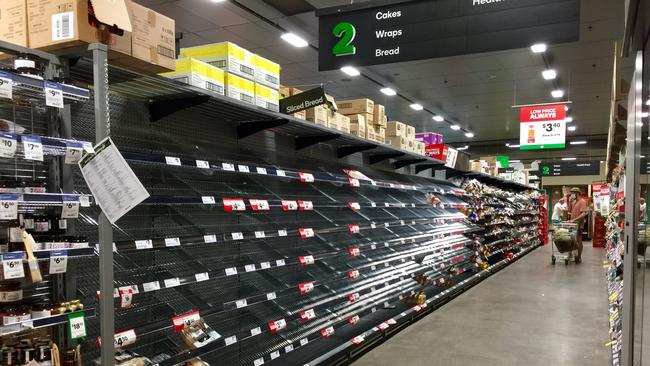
(305,100)
(437,151)
(542,127)
(360,35)
(452,155)
(570,168)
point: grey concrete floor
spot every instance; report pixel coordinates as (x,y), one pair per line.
(530,313)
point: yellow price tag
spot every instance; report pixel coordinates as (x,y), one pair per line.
(613,296)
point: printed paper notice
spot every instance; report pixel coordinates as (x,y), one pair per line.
(115,187)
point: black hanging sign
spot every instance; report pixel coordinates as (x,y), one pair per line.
(569,168)
(305,100)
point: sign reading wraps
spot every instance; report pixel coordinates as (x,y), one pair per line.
(363,34)
(542,127)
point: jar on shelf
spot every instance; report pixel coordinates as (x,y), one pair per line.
(42,223)
(27,221)
(44,356)
(9,357)
(70,358)
(13,316)
(10,292)
(41,310)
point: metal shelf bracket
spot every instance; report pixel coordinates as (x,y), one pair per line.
(376,158)
(159,109)
(349,150)
(403,163)
(245,129)
(303,142)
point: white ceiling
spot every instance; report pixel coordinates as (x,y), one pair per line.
(477,91)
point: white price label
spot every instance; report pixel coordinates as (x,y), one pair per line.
(280,173)
(282,233)
(387,224)
(70,208)
(172,282)
(58,261)
(53,94)
(172,242)
(275,355)
(271,296)
(143,244)
(372,204)
(256,331)
(77,325)
(258,362)
(208,200)
(228,167)
(151,286)
(288,348)
(280,262)
(265,265)
(126,338)
(200,277)
(250,268)
(172,160)
(73,152)
(84,200)
(210,238)
(12,264)
(304,341)
(231,340)
(6,85)
(386,204)
(244,168)
(8,145)
(8,206)
(237,236)
(261,170)
(33,148)
(231,271)
(260,235)
(241,303)
(203,164)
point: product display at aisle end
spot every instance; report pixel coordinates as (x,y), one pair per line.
(615,250)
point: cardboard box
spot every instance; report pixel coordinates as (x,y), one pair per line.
(199,74)
(153,37)
(54,25)
(397,142)
(342,122)
(225,55)
(358,124)
(355,106)
(267,72)
(13,22)
(319,115)
(429,138)
(419,149)
(300,115)
(396,128)
(267,98)
(438,151)
(410,132)
(379,115)
(240,88)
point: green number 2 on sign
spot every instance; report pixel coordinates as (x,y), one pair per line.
(546,170)
(346,32)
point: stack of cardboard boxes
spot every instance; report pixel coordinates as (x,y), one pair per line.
(367,119)
(57,26)
(227,69)
(402,136)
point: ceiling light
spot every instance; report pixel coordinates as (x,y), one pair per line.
(578,142)
(455,127)
(351,71)
(462,148)
(438,118)
(507,144)
(557,93)
(549,74)
(571,128)
(538,48)
(295,40)
(642,156)
(416,106)
(388,91)
(647,102)
(568,119)
(512,146)
(469,134)
(567,159)
(644,114)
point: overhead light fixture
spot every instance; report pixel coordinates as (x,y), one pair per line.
(507,144)
(582,142)
(557,94)
(462,148)
(571,128)
(568,119)
(549,74)
(567,159)
(538,48)
(351,71)
(295,40)
(455,127)
(416,106)
(469,134)
(388,91)
(647,102)
(513,146)
(438,118)
(644,114)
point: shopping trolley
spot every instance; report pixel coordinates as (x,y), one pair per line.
(565,240)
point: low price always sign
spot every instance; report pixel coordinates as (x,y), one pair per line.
(542,127)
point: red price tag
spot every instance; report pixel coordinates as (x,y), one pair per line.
(259,205)
(307,314)
(354,251)
(306,260)
(126,298)
(383,326)
(305,287)
(354,183)
(354,228)
(306,177)
(289,205)
(358,340)
(234,205)
(305,205)
(306,232)
(327,332)
(277,325)
(182,321)
(353,319)
(354,297)
(355,206)
(354,274)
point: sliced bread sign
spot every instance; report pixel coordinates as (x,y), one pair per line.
(542,127)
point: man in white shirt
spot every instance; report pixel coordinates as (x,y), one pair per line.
(559,210)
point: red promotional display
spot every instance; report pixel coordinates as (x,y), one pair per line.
(437,151)
(542,127)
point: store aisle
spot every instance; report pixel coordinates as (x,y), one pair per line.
(531,313)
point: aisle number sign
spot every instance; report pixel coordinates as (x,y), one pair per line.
(542,127)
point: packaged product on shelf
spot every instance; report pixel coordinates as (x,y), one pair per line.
(395,128)
(419,147)
(356,106)
(438,151)
(224,55)
(199,74)
(13,23)
(197,334)
(54,25)
(240,88)
(398,142)
(267,72)
(319,115)
(379,115)
(410,132)
(376,134)
(358,124)
(343,123)
(153,39)
(267,98)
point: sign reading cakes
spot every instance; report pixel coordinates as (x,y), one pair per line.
(542,127)
(360,34)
